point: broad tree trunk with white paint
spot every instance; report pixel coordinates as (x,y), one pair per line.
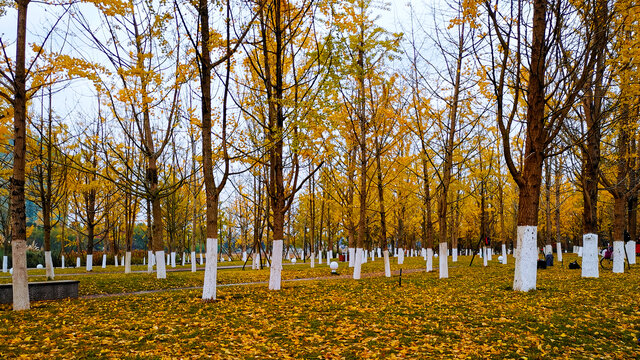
(150,261)
(429,259)
(631,252)
(49,265)
(211,270)
(127,262)
(400,256)
(387,265)
(618,257)
(104,261)
(485,257)
(193,261)
(504,253)
(89,264)
(275,275)
(357,267)
(443,261)
(161,268)
(526,259)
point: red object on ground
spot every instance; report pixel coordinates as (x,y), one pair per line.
(341,257)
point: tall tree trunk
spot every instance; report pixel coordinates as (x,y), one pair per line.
(351,227)
(548,249)
(362,145)
(592,104)
(536,137)
(558,182)
(448,164)
(18,211)
(383,213)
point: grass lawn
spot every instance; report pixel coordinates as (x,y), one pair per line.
(473,314)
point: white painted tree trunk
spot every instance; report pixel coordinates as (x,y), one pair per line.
(150,262)
(168,263)
(89,266)
(184,257)
(526,269)
(19,278)
(631,252)
(485,257)
(424,254)
(313,260)
(454,255)
(173,259)
(429,259)
(48,262)
(580,250)
(275,273)
(357,266)
(352,257)
(329,256)
(201,261)
(548,249)
(193,261)
(365,256)
(244,256)
(387,265)
(400,256)
(78,262)
(115,259)
(320,257)
(373,255)
(380,252)
(211,270)
(127,262)
(489,254)
(443,261)
(144,261)
(559,251)
(504,254)
(104,261)
(395,252)
(618,257)
(62,262)
(590,262)
(161,266)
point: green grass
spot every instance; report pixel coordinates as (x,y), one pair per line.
(472,314)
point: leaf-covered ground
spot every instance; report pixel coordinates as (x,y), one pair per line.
(473,314)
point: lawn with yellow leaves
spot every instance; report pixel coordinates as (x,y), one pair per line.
(472,314)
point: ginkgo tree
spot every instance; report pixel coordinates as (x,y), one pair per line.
(363,50)
(142,89)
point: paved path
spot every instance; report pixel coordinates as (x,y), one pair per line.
(134,271)
(321,278)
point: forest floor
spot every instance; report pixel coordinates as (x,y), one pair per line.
(472,314)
